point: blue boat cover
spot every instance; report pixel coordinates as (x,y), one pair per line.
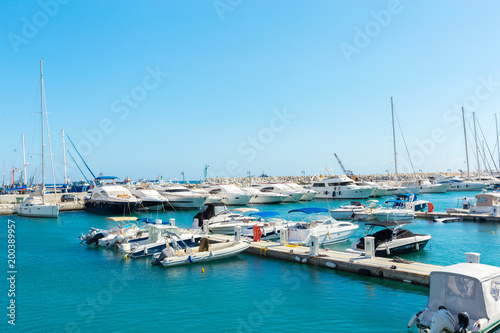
(265,214)
(310,210)
(107,177)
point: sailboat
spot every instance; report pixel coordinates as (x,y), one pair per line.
(35,205)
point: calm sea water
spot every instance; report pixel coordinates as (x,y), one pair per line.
(63,286)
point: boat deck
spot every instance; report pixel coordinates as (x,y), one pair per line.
(386,268)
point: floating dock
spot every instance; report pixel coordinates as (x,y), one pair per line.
(463,216)
(386,268)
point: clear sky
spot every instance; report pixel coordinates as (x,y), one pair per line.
(149,88)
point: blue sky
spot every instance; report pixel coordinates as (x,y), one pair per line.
(149,88)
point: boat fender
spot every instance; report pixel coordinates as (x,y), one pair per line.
(417,247)
(330,264)
(297,258)
(479,324)
(190,259)
(304,260)
(414,319)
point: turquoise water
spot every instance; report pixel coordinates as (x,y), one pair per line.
(63,286)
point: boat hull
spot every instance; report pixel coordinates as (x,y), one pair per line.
(50,211)
(205,256)
(111,207)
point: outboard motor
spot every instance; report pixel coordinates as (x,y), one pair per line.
(95,238)
(165,253)
(443,320)
(463,322)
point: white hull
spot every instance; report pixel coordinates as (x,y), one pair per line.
(43,210)
(234,200)
(393,215)
(466,187)
(360,193)
(435,188)
(308,196)
(294,197)
(211,255)
(187,202)
(268,199)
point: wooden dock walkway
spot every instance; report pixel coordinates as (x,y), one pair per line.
(409,272)
(465,217)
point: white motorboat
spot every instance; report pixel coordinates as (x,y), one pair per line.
(340,187)
(172,256)
(211,198)
(348,211)
(393,214)
(270,225)
(180,197)
(391,240)
(151,200)
(464,298)
(308,194)
(107,197)
(292,195)
(125,228)
(459,184)
(259,197)
(35,206)
(484,203)
(463,205)
(229,194)
(221,220)
(328,230)
(426,186)
(160,236)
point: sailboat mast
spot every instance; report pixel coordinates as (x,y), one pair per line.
(64,162)
(24,161)
(394,140)
(477,147)
(41,112)
(498,147)
(466,150)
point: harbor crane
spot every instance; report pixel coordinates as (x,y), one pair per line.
(346,172)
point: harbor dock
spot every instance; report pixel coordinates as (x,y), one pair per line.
(384,268)
(462,216)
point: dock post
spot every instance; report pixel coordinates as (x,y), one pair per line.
(284,236)
(205,226)
(172,222)
(472,257)
(314,245)
(369,247)
(237,233)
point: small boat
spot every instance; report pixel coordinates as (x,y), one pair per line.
(348,211)
(126,228)
(447,219)
(402,208)
(172,256)
(462,298)
(160,236)
(269,224)
(221,220)
(391,240)
(328,230)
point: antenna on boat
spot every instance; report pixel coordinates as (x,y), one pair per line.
(64,163)
(477,147)
(43,150)
(466,150)
(394,140)
(24,162)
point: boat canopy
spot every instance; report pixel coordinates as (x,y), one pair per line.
(387,224)
(106,177)
(310,210)
(487,199)
(265,214)
(122,218)
(474,288)
(407,196)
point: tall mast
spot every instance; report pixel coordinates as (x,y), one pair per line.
(465,136)
(64,163)
(498,147)
(477,147)
(394,140)
(24,162)
(41,112)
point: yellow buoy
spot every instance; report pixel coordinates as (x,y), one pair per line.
(493,232)
(203,270)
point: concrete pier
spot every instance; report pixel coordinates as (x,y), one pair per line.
(8,202)
(409,272)
(465,217)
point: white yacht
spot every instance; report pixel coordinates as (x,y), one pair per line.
(340,187)
(211,198)
(328,230)
(259,197)
(348,211)
(180,197)
(308,193)
(107,197)
(426,186)
(229,194)
(292,195)
(459,184)
(221,220)
(151,200)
